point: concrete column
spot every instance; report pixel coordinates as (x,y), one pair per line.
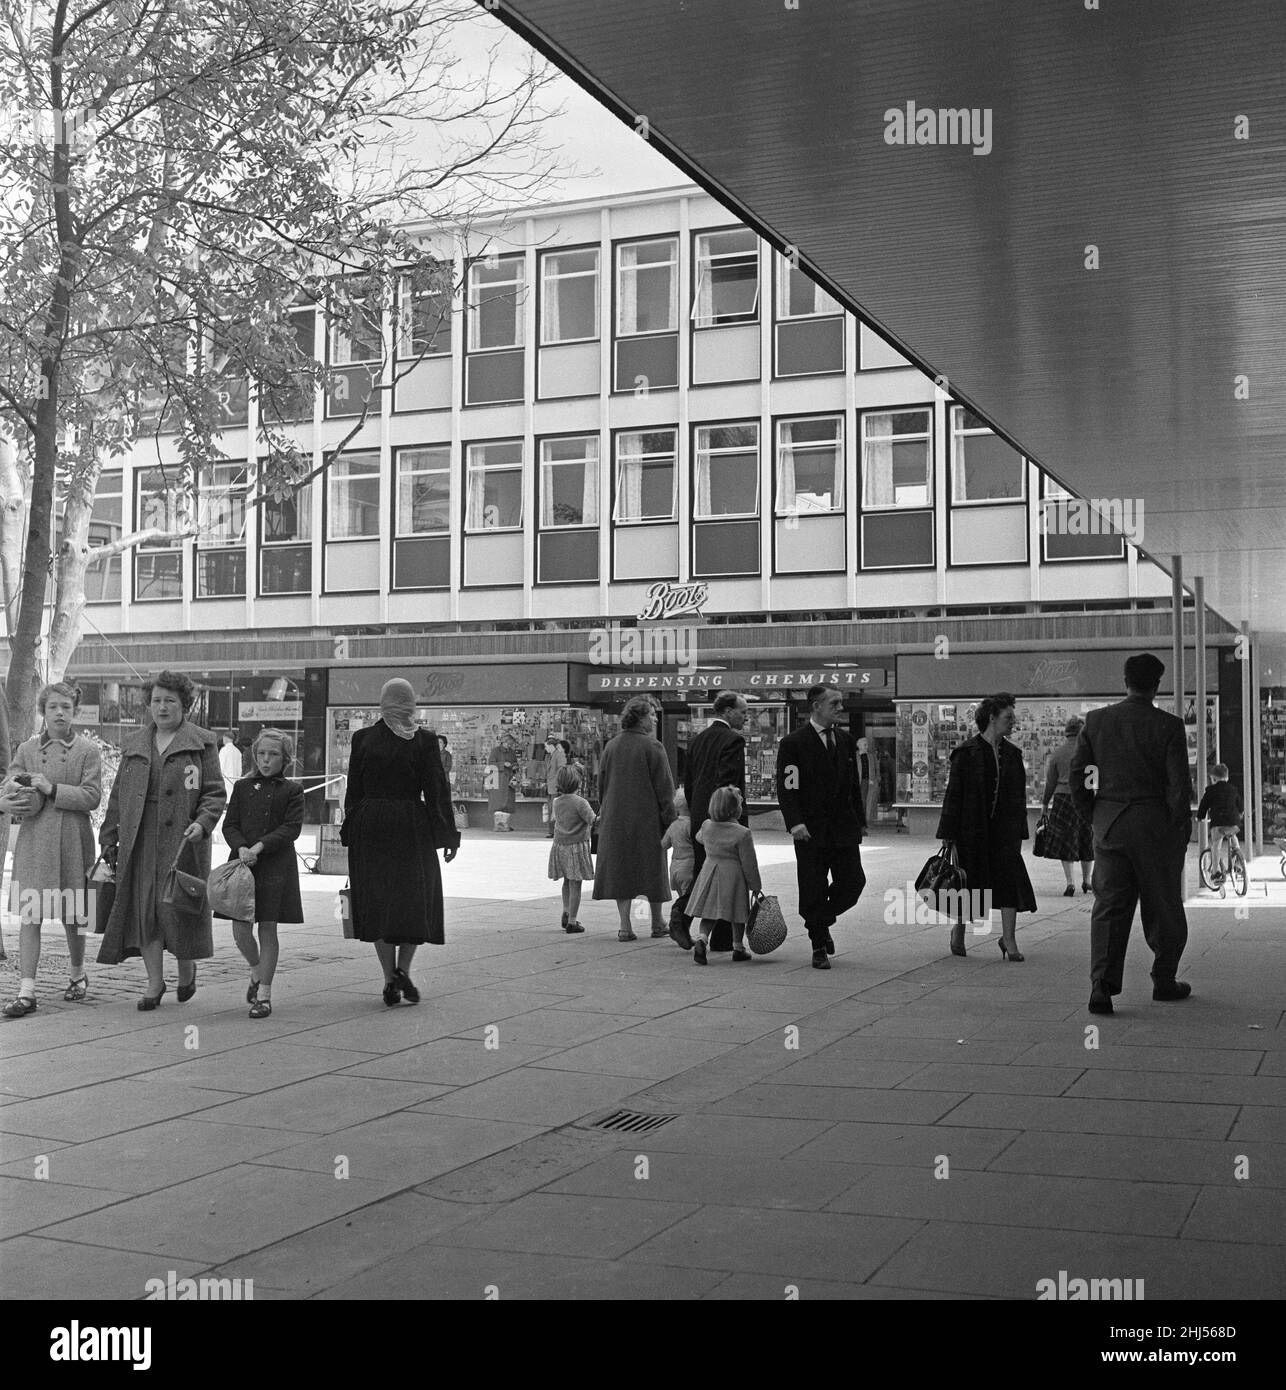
(1199,593)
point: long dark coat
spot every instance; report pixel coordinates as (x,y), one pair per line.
(268,810)
(397,814)
(637,793)
(989,847)
(191,789)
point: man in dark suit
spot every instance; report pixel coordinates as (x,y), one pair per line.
(716,758)
(820,795)
(1129,778)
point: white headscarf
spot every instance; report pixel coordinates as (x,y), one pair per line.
(397,707)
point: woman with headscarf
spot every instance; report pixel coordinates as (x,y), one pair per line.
(397,814)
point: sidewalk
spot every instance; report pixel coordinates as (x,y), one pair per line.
(905,1125)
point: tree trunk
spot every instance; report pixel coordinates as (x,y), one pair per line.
(13,516)
(69,579)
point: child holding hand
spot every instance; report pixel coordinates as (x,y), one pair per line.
(678,837)
(728,877)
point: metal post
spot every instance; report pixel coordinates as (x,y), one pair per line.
(1248,694)
(1203,753)
(1256,749)
(1176,637)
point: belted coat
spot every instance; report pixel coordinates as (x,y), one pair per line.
(191,789)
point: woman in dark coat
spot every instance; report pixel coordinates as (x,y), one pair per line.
(397,813)
(984,814)
(168,796)
(637,793)
(502,781)
(264,819)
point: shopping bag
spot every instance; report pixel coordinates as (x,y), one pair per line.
(100,894)
(765,926)
(943,885)
(184,892)
(345,910)
(1041,842)
(461,813)
(232,891)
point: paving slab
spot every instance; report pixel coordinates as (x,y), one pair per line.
(89,1112)
(407,1148)
(247,1071)
(795,1245)
(839,1103)
(27,1203)
(1081,1116)
(1255,1215)
(863,1046)
(1125,1057)
(1198,1087)
(312,1105)
(734,1134)
(1142,1158)
(1008,1262)
(36,1267)
(450,1061)
(912,1148)
(220,1216)
(565,1026)
(534,1096)
(720,1025)
(764,1288)
(1259,1122)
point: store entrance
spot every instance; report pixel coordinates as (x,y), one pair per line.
(879,768)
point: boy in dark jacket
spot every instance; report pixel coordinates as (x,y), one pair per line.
(1222,802)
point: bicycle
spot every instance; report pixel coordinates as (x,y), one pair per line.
(1281,863)
(1232,866)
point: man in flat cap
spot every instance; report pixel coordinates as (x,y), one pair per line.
(1130,779)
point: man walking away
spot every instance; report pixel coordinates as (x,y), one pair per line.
(820,795)
(1129,778)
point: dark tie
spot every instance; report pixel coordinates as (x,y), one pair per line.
(830,744)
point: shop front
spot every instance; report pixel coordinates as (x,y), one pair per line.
(937,699)
(495,718)
(778,704)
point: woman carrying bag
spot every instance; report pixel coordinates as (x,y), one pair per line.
(166,800)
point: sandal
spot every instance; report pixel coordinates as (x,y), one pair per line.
(76,990)
(261,1008)
(21,1007)
(252,993)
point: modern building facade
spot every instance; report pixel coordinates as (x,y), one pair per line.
(639,451)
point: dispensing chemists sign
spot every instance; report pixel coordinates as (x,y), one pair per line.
(854,679)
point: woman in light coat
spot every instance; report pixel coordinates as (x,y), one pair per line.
(637,793)
(55,849)
(168,793)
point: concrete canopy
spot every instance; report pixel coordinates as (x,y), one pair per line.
(1096,265)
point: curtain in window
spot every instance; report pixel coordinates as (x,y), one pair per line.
(589,495)
(837,496)
(705,295)
(879,473)
(962,474)
(786,480)
(477,497)
(703,485)
(629,490)
(629,289)
(553,325)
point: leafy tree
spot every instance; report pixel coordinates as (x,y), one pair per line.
(177,177)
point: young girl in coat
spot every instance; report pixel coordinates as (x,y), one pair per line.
(569,856)
(265,816)
(727,878)
(678,838)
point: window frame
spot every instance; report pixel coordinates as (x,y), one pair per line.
(783,271)
(401,452)
(472,319)
(954,434)
(545,281)
(928,436)
(104,567)
(302,498)
(838,508)
(544,464)
(470,471)
(404,337)
(697,454)
(336,333)
(618,491)
(329,507)
(701,267)
(154,548)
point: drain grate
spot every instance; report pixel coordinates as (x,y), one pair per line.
(632,1121)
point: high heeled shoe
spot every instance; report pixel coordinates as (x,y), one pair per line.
(1069,891)
(957,940)
(1007,954)
(185,992)
(147,1003)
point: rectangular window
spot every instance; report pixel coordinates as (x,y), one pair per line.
(646,476)
(647,287)
(569,296)
(798,297)
(103,580)
(424,319)
(569,482)
(810,466)
(423,491)
(495,300)
(355,332)
(494,487)
(285,555)
(158,565)
(726,471)
(221,554)
(897,459)
(727,279)
(353,502)
(983,467)
(288,395)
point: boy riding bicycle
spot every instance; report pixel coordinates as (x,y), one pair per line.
(1222,802)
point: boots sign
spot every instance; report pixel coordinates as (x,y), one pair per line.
(666,601)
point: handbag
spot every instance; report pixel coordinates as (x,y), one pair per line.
(460,812)
(765,926)
(942,874)
(1041,843)
(185,893)
(232,891)
(100,894)
(344,908)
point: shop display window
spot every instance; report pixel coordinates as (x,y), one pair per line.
(474,732)
(765,727)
